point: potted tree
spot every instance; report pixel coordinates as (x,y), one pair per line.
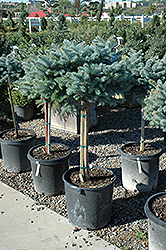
(73,75)
(140,162)
(23,106)
(51,160)
(155,114)
(100,79)
(14,142)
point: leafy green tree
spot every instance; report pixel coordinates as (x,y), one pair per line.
(77,6)
(164,14)
(68,6)
(2,24)
(23,15)
(22,21)
(90,8)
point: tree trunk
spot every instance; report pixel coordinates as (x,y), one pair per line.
(84,157)
(142,132)
(47,112)
(12,106)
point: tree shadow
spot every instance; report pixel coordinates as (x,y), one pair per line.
(121,125)
(130,208)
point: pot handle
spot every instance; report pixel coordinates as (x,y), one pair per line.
(139,165)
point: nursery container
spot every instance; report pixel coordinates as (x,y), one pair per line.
(47,174)
(88,207)
(14,153)
(24,113)
(139,172)
(156,226)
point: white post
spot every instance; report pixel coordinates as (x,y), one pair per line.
(40,25)
(142,20)
(30,27)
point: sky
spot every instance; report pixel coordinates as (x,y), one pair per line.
(24,1)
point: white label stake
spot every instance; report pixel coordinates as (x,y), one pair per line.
(37,168)
(139,165)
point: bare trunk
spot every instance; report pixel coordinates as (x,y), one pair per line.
(84,157)
(47,124)
(12,106)
(142,132)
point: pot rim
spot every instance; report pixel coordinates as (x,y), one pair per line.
(19,141)
(149,213)
(31,158)
(72,169)
(141,157)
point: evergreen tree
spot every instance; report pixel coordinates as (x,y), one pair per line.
(10,70)
(22,22)
(78,74)
(150,9)
(111,15)
(164,14)
(155,21)
(155,106)
(91,8)
(43,23)
(61,23)
(100,10)
(154,103)
(61,27)
(9,20)
(118,10)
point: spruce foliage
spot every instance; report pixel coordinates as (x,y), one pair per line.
(10,65)
(77,72)
(155,105)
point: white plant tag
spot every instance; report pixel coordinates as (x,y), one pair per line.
(139,165)
(37,168)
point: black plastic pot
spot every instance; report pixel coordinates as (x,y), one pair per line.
(24,113)
(88,207)
(47,174)
(139,172)
(14,153)
(156,227)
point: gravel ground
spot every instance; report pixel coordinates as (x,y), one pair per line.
(128,228)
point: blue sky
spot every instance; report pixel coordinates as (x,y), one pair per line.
(24,1)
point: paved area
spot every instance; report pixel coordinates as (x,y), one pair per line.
(24,225)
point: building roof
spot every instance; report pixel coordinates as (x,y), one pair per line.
(64,14)
(39,13)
